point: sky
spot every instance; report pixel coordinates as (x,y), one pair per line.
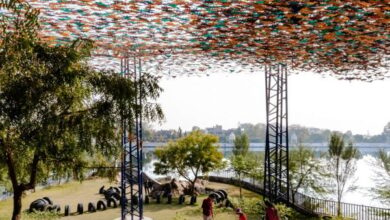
(314,101)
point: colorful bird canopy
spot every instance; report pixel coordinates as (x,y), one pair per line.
(349,38)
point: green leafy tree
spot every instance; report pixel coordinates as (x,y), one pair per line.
(306,172)
(241,145)
(244,163)
(195,154)
(382,189)
(56,112)
(257,173)
(342,165)
(247,165)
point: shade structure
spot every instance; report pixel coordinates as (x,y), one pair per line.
(348,38)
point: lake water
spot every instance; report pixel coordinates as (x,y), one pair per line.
(226,148)
(365,180)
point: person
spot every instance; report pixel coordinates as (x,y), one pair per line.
(207,207)
(241,215)
(271,213)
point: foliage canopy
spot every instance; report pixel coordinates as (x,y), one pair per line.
(306,172)
(56,112)
(241,145)
(190,156)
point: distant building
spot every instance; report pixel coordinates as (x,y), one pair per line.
(294,140)
(232,137)
(215,130)
(386,132)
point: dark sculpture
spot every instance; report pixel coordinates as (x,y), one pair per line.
(112,192)
(44,204)
(220,195)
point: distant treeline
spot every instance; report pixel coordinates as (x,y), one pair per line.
(256,133)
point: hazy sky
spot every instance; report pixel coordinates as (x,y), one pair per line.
(314,101)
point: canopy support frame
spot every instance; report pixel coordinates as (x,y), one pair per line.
(131,168)
(276,169)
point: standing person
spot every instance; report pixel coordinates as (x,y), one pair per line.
(207,207)
(241,215)
(271,213)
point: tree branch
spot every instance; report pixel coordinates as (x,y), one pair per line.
(11,167)
(33,174)
(196,173)
(181,173)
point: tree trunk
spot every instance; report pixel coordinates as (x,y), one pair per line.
(338,186)
(20,188)
(17,213)
(338,208)
(293,193)
(240,183)
(192,190)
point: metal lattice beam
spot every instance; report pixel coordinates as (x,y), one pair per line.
(276,170)
(131,169)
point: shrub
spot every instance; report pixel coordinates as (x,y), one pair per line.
(256,207)
(250,206)
(284,211)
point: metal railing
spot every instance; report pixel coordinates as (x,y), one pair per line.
(307,204)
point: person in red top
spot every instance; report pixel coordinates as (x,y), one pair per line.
(207,207)
(241,215)
(270,211)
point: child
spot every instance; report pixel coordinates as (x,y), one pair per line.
(241,215)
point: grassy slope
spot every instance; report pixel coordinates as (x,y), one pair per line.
(74,193)
(67,194)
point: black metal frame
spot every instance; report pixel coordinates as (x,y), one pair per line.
(276,170)
(131,169)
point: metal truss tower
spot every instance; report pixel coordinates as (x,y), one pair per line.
(276,170)
(131,169)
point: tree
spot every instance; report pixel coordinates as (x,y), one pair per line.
(257,173)
(306,172)
(241,145)
(342,165)
(190,156)
(245,165)
(240,162)
(56,112)
(382,189)
(180,132)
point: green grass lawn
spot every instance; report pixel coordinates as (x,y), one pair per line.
(74,192)
(67,194)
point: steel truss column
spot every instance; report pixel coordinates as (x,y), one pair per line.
(131,169)
(276,170)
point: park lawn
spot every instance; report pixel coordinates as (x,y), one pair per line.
(70,194)
(75,192)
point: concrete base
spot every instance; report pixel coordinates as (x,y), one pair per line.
(135,218)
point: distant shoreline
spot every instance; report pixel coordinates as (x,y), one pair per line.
(364,148)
